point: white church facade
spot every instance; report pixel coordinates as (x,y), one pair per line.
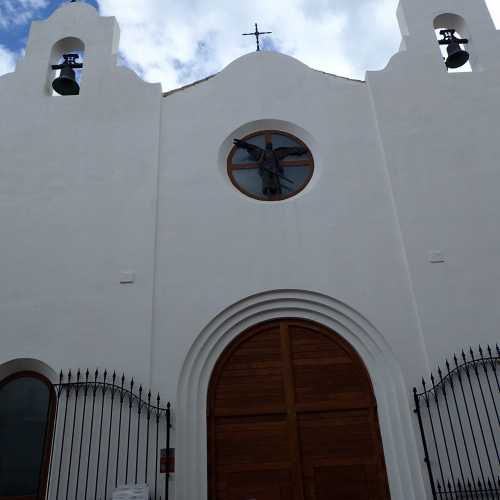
(280,253)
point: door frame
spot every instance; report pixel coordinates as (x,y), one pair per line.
(403,464)
(315,329)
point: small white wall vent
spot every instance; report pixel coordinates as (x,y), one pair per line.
(127,277)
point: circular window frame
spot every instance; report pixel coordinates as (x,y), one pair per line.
(290,163)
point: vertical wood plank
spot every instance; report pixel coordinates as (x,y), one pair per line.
(293,437)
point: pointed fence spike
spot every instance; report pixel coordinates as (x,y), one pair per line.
(87,373)
(480,351)
(61,376)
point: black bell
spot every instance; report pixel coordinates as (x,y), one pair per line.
(457,57)
(65,83)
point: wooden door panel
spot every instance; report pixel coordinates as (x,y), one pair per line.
(252,440)
(325,372)
(252,380)
(259,485)
(339,435)
(292,416)
(348,482)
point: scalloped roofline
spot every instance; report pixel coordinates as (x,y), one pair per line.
(197,82)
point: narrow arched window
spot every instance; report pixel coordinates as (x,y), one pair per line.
(27,406)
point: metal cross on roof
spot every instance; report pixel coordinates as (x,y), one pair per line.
(257,34)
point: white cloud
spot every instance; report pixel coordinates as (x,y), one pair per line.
(494,6)
(7,60)
(180,41)
(177,42)
(16,12)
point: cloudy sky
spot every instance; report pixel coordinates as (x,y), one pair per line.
(181,41)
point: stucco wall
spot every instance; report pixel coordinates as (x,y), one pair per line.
(337,237)
(121,179)
(440,139)
(77,204)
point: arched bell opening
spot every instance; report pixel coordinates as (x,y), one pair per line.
(66,67)
(454,42)
(292,414)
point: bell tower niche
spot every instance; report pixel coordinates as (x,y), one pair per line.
(452,35)
(463,29)
(66,62)
(70,53)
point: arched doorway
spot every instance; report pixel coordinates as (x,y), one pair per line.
(292,415)
(27,410)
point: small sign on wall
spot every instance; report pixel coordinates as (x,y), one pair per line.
(167,461)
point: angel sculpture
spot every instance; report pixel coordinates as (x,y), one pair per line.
(270,169)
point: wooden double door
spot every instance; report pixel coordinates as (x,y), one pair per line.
(292,416)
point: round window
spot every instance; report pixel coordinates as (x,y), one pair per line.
(270,165)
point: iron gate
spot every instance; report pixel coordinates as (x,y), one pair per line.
(106,434)
(458,416)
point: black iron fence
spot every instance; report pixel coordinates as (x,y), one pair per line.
(106,434)
(458,416)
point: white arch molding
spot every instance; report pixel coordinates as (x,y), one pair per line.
(393,399)
(27,365)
